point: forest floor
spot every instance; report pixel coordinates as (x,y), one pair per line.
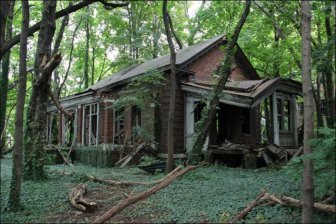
(206,194)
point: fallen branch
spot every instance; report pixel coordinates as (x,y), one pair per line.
(63,157)
(130,183)
(77,200)
(318,206)
(71,148)
(133,199)
(249,207)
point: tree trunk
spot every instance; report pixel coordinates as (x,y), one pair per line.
(170,131)
(15,189)
(7,34)
(35,138)
(308,186)
(57,45)
(86,60)
(330,91)
(210,109)
(59,90)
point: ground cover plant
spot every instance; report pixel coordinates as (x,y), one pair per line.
(207,194)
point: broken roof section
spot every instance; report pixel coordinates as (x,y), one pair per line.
(183,56)
(247,94)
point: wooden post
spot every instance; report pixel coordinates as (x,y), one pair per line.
(97,128)
(189,124)
(83,125)
(276,139)
(90,124)
(293,119)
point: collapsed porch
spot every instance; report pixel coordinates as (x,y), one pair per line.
(253,113)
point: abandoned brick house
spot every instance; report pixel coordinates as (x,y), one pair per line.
(251,110)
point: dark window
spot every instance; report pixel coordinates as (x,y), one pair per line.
(245,121)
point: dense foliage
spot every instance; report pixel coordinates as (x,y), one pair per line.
(324,157)
(220,191)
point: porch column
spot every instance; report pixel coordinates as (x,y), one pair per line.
(276,139)
(294,120)
(189,124)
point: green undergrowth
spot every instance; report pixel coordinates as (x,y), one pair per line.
(211,194)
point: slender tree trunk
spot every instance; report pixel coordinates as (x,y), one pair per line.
(308,184)
(59,90)
(57,45)
(170,132)
(15,189)
(93,65)
(210,109)
(330,89)
(86,62)
(4,73)
(156,36)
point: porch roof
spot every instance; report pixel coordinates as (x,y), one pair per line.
(246,94)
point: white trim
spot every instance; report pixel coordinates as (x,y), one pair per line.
(97,125)
(275,119)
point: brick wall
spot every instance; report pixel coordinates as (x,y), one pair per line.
(205,65)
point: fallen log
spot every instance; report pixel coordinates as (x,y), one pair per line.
(130,183)
(318,206)
(249,207)
(77,200)
(133,199)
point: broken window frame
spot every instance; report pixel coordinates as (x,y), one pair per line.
(119,122)
(284,107)
(65,127)
(50,122)
(91,113)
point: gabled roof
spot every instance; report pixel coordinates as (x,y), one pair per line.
(246,94)
(161,63)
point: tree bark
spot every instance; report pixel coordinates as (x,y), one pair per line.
(15,189)
(133,199)
(178,41)
(6,33)
(77,200)
(224,72)
(86,60)
(170,131)
(308,186)
(35,138)
(6,46)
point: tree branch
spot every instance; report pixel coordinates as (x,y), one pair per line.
(173,32)
(6,46)
(58,105)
